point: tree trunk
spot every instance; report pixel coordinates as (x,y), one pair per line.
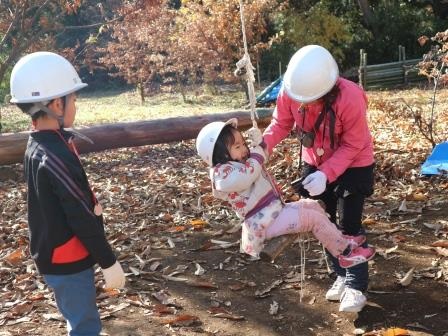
(109,136)
(243,84)
(181,88)
(182,92)
(366,13)
(141,92)
(440,9)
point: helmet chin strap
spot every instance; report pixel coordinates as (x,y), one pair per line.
(40,106)
(59,118)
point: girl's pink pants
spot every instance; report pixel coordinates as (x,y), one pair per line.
(307,215)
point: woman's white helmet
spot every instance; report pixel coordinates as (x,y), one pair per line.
(206,139)
(312,72)
(43,76)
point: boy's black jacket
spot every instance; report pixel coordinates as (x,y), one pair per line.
(65,235)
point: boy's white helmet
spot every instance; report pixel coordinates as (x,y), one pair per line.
(312,72)
(43,76)
(206,139)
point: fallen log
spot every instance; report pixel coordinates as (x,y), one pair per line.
(132,134)
(275,246)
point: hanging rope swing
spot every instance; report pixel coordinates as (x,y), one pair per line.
(245,67)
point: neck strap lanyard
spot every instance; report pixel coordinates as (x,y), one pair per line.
(327,109)
(97,210)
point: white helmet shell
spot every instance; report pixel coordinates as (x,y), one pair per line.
(42,76)
(312,72)
(206,139)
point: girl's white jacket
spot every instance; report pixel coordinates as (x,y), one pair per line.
(252,193)
(248,188)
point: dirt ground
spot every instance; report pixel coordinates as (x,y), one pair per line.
(235,295)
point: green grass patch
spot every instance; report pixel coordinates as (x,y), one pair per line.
(122,106)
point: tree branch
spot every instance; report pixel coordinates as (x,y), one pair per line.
(421,124)
(9,31)
(93,25)
(36,15)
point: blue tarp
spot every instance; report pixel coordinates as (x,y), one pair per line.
(437,162)
(270,93)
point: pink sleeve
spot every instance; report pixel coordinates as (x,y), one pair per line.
(281,124)
(354,138)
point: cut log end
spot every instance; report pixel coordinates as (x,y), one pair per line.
(275,246)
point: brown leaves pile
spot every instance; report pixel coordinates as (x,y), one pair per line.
(157,198)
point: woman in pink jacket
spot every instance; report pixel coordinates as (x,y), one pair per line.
(329,114)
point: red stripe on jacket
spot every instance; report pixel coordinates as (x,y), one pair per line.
(71,251)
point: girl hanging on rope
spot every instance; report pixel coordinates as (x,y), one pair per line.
(239,177)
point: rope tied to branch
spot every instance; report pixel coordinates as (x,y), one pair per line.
(246,69)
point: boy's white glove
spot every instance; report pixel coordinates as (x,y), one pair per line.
(114,276)
(315,183)
(255,136)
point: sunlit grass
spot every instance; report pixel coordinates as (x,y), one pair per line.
(121,106)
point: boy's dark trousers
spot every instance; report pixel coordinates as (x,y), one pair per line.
(345,197)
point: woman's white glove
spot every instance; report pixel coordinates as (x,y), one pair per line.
(255,136)
(114,276)
(315,183)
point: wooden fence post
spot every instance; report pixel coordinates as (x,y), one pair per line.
(402,59)
(362,68)
(398,72)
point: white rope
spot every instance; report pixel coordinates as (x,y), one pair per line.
(302,267)
(303,238)
(247,65)
(329,271)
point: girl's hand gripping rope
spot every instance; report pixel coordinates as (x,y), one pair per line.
(255,136)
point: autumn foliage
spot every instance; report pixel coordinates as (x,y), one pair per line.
(30,26)
(435,62)
(200,42)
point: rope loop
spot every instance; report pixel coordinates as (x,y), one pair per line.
(245,67)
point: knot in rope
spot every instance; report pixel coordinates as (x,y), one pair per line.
(246,69)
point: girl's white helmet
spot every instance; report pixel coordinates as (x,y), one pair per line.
(312,72)
(43,76)
(206,139)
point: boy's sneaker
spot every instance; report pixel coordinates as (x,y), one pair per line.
(336,290)
(352,301)
(357,256)
(355,241)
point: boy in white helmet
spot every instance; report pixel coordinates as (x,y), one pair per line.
(64,217)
